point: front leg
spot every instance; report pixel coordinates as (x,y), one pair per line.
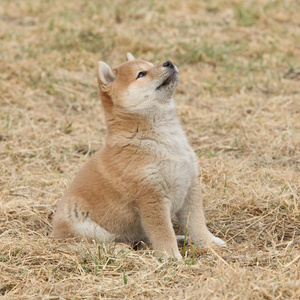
(197,229)
(156,220)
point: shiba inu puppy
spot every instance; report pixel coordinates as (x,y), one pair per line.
(146,172)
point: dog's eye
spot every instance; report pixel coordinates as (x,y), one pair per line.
(141,74)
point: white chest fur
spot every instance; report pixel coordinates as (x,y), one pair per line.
(175,167)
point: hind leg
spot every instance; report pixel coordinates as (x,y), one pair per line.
(91,230)
(61,222)
(69,221)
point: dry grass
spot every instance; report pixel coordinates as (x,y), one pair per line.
(239,102)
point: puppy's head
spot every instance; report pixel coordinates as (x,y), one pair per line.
(137,86)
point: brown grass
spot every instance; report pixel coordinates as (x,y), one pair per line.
(239,102)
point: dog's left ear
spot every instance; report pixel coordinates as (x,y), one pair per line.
(106,76)
(129,56)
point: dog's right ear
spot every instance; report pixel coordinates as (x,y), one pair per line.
(129,56)
(105,76)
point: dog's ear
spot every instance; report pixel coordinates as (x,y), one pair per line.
(106,75)
(129,56)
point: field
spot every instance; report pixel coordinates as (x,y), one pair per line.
(238,101)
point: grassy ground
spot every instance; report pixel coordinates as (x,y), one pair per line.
(238,100)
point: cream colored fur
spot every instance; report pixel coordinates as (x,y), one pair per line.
(146,172)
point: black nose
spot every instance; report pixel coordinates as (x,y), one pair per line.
(168,64)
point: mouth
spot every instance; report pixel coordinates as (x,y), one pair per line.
(168,80)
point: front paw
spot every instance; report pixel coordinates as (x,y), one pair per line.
(163,255)
(218,242)
(211,240)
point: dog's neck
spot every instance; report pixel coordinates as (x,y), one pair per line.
(123,124)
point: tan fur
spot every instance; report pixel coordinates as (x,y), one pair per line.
(146,172)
